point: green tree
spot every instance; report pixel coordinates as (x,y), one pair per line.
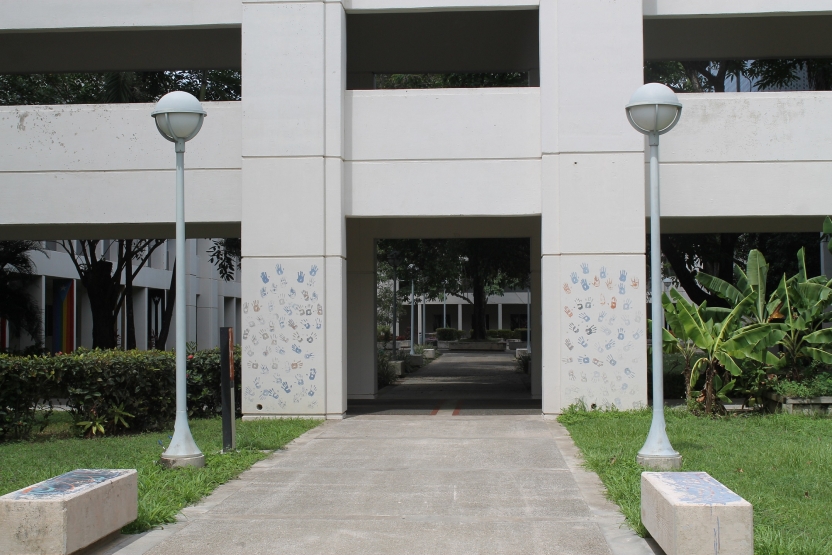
(16,273)
(471,269)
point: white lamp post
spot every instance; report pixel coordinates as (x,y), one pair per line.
(413,269)
(179,117)
(654,110)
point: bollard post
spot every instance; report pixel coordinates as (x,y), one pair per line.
(229,433)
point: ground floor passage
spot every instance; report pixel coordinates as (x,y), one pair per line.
(446,462)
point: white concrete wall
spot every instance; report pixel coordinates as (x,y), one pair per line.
(738,155)
(102,14)
(108,165)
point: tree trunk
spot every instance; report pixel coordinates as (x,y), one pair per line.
(479,307)
(128,296)
(102,296)
(167,316)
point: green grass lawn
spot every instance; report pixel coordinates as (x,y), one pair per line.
(781,464)
(162,493)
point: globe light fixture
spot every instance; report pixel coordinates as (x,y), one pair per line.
(179,117)
(654,110)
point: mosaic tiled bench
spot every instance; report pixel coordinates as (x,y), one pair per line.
(689,513)
(68,512)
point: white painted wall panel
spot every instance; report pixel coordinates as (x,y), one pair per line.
(443,188)
(443,124)
(756,126)
(95,137)
(90,14)
(111,197)
(714,8)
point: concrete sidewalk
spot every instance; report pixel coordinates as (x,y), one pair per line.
(407,485)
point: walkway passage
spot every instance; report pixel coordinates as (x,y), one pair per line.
(464,384)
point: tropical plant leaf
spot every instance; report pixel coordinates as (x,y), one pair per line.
(801,265)
(728,362)
(819,354)
(720,287)
(691,322)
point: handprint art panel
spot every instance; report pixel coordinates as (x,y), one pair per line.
(283,339)
(604,331)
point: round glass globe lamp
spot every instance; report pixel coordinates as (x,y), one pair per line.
(654,108)
(178,116)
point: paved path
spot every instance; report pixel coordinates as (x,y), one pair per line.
(430,484)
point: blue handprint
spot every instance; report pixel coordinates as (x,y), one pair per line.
(583,316)
(292,293)
(611,360)
(313,271)
(263,291)
(312,373)
(585,268)
(265,277)
(583,360)
(602,315)
(584,285)
(623,275)
(305,323)
(279,269)
(301,277)
(574,277)
(621,289)
(296,348)
(610,344)
(286,387)
(621,334)
(627,304)
(318,323)
(582,342)
(603,272)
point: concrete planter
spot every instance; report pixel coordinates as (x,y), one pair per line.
(397,367)
(415,361)
(475,346)
(792,405)
(518,353)
(430,354)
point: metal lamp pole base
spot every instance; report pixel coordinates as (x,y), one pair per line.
(658,462)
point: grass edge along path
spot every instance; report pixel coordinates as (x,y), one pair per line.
(781,464)
(162,493)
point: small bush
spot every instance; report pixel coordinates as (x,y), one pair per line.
(26,385)
(521,334)
(448,334)
(383,333)
(818,386)
(386,375)
(524,363)
(503,334)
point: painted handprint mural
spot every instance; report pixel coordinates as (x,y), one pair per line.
(619,357)
(282,370)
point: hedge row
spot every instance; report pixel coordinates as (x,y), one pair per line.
(107,391)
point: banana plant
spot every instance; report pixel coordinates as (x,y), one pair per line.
(676,340)
(804,303)
(712,331)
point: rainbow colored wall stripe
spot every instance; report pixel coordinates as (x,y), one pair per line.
(63,315)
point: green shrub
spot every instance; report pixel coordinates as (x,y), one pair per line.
(26,385)
(109,391)
(503,334)
(448,334)
(383,333)
(818,386)
(524,363)
(386,375)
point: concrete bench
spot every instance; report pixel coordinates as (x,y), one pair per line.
(689,513)
(68,512)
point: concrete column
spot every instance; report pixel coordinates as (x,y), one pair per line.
(361,314)
(500,316)
(293,236)
(592,233)
(459,316)
(536,347)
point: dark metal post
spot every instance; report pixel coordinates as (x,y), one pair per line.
(229,432)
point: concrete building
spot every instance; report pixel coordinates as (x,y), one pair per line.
(211,301)
(312,166)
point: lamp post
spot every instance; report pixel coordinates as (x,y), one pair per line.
(179,118)
(394,261)
(654,110)
(528,320)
